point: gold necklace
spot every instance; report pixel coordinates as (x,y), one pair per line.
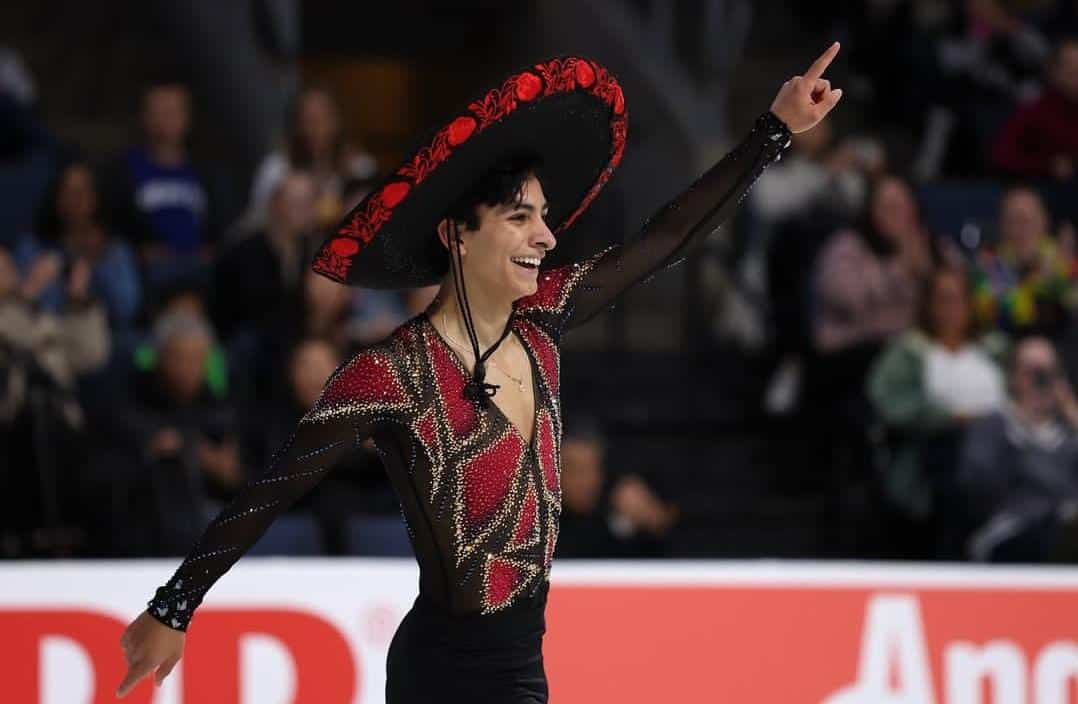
(445,324)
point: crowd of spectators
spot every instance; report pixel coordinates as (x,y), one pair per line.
(923,320)
(153,355)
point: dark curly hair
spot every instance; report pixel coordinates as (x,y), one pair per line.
(502,184)
(47,223)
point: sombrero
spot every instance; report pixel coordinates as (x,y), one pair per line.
(568,111)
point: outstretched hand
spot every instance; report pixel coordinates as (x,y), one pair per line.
(149,647)
(804,100)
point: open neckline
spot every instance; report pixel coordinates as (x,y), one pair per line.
(467,375)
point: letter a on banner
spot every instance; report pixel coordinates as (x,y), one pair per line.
(892,641)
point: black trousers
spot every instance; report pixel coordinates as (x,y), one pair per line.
(496,659)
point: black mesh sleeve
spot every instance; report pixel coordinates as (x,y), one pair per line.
(341,419)
(683,222)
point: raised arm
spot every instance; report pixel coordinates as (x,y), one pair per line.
(709,202)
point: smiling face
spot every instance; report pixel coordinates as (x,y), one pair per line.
(502,255)
(1023,223)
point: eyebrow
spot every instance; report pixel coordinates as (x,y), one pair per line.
(531,208)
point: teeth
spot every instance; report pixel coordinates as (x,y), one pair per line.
(534,261)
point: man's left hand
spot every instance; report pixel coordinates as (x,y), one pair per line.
(805,100)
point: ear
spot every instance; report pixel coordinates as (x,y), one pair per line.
(443,236)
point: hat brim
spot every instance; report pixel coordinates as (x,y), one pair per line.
(569,112)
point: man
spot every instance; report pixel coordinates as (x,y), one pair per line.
(160,199)
(474,458)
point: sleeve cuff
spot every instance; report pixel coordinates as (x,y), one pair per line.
(777,133)
(172,606)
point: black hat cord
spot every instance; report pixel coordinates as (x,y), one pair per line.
(477,389)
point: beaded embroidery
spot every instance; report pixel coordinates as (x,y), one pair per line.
(480,504)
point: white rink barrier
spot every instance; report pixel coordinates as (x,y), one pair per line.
(316,631)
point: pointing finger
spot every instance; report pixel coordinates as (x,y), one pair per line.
(136,672)
(820,65)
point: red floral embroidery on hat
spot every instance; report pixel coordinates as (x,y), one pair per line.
(344,246)
(545,79)
(394,193)
(331,264)
(618,131)
(585,74)
(460,130)
(559,75)
(528,86)
(427,158)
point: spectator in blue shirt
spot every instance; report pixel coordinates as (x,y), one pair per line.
(160,198)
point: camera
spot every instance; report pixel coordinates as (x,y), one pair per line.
(1044,379)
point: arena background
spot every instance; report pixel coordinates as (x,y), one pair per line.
(794,465)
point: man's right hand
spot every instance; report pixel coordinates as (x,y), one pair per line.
(149,646)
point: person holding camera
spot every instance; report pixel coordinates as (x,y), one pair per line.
(1019,466)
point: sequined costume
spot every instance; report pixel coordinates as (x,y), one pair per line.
(481,499)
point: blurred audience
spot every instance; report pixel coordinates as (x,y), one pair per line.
(42,421)
(1019,467)
(183,441)
(258,278)
(926,387)
(867,278)
(50,347)
(1040,139)
(183,298)
(160,199)
(1025,284)
(72,232)
(604,516)
(125,421)
(316,143)
(28,152)
(817,174)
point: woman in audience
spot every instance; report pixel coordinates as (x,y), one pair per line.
(42,422)
(1019,465)
(1025,286)
(72,229)
(867,278)
(864,291)
(926,387)
(315,143)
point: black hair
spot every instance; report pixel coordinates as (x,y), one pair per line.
(299,155)
(47,224)
(502,184)
(866,225)
(974,326)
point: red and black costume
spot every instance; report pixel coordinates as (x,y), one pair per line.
(481,502)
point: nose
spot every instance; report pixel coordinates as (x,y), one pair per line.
(543,237)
